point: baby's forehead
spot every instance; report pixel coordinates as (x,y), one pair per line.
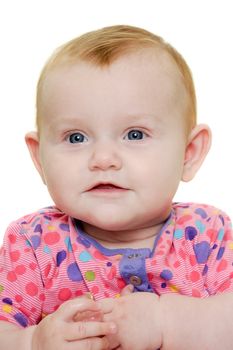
(145,81)
(144,70)
(157,60)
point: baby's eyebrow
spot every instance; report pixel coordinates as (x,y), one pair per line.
(62,123)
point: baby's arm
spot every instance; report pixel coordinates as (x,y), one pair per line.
(60,330)
(171,322)
(193,323)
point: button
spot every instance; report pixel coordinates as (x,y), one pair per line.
(134,255)
(135,280)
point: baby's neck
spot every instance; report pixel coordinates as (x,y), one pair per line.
(141,238)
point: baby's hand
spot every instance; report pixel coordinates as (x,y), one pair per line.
(93,315)
(61,331)
(138,320)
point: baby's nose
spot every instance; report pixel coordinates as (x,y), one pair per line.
(105,156)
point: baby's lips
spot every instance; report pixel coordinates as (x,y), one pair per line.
(106,185)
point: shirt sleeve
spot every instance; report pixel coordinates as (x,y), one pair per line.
(21,286)
(218,270)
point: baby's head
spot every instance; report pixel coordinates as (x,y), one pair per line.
(104,46)
(116,118)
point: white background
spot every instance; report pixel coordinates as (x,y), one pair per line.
(30,30)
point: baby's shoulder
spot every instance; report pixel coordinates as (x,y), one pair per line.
(48,218)
(198,212)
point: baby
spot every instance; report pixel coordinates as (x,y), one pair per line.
(116,133)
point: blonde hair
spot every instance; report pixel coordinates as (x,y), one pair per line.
(103,46)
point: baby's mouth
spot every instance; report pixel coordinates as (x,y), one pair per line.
(105,187)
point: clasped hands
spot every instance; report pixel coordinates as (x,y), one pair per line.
(130,322)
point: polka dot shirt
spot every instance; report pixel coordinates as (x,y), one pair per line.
(46,259)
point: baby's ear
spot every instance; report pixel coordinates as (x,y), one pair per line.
(32,141)
(198,145)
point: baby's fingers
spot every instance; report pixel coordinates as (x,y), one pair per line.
(90,344)
(106,305)
(127,290)
(81,330)
(69,309)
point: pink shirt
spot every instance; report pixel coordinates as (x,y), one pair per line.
(47,259)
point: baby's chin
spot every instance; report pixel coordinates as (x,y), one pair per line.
(110,221)
(104,225)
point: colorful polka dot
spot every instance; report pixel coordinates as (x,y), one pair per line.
(31,289)
(120,283)
(15,255)
(95,290)
(205,270)
(3,318)
(11,276)
(202,251)
(38,228)
(7,308)
(85,256)
(98,255)
(35,240)
(166,275)
(212,234)
(74,273)
(200,226)
(61,256)
(21,319)
(51,227)
(64,294)
(192,260)
(90,275)
(221,234)
(68,244)
(201,212)
(220,253)
(42,297)
(47,269)
(12,238)
(112,273)
(194,276)
(64,227)
(20,270)
(190,233)
(178,234)
(184,219)
(174,289)
(47,250)
(222,265)
(51,238)
(18,298)
(7,301)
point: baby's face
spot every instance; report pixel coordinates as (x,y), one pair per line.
(112,140)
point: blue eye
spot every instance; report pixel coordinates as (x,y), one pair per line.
(77,137)
(135,135)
